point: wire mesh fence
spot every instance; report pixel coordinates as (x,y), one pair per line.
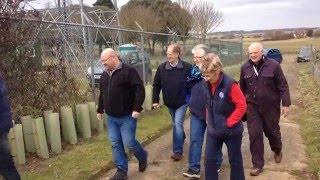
(51,64)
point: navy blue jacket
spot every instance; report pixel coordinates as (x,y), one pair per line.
(5,110)
(195,93)
(220,107)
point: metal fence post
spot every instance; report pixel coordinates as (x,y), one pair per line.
(143,60)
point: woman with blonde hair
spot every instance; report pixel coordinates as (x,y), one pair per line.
(225,106)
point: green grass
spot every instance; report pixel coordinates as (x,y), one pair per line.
(310,117)
(89,157)
(233,71)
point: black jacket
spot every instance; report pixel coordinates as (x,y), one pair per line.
(121,93)
(5,110)
(172,82)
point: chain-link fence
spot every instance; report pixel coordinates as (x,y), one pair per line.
(51,64)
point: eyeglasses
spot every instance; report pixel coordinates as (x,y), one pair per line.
(198,57)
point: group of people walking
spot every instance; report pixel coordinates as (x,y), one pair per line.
(218,105)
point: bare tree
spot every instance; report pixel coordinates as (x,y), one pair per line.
(145,17)
(186,4)
(206,17)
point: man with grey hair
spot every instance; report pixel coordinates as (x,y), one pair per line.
(121,96)
(196,103)
(265,86)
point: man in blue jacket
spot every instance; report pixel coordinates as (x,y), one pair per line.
(7,168)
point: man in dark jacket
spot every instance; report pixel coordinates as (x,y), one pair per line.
(121,98)
(265,86)
(171,78)
(7,167)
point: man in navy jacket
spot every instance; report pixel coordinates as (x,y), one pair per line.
(7,168)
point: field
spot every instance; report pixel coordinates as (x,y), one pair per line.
(285,46)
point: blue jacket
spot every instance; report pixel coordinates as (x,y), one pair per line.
(220,107)
(5,110)
(195,93)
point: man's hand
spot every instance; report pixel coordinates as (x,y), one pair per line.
(100,116)
(135,114)
(285,111)
(155,105)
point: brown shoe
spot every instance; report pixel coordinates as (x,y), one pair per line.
(278,157)
(255,171)
(176,156)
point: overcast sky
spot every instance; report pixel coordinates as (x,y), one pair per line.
(253,14)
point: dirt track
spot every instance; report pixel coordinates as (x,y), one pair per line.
(294,159)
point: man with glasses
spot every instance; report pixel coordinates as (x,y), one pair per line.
(196,102)
(121,97)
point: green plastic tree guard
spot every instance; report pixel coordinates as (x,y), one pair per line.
(93,115)
(54,130)
(148,100)
(16,143)
(69,133)
(161,98)
(46,125)
(28,134)
(100,126)
(83,120)
(20,158)
(40,138)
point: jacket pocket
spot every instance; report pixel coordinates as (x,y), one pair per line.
(268,79)
(248,79)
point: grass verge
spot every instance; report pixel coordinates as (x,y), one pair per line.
(309,99)
(91,157)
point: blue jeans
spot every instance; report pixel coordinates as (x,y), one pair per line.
(7,167)
(233,144)
(178,136)
(197,130)
(122,133)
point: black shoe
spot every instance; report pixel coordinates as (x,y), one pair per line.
(255,171)
(278,157)
(177,156)
(143,165)
(119,175)
(192,174)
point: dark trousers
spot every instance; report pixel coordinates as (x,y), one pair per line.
(233,144)
(261,121)
(7,168)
